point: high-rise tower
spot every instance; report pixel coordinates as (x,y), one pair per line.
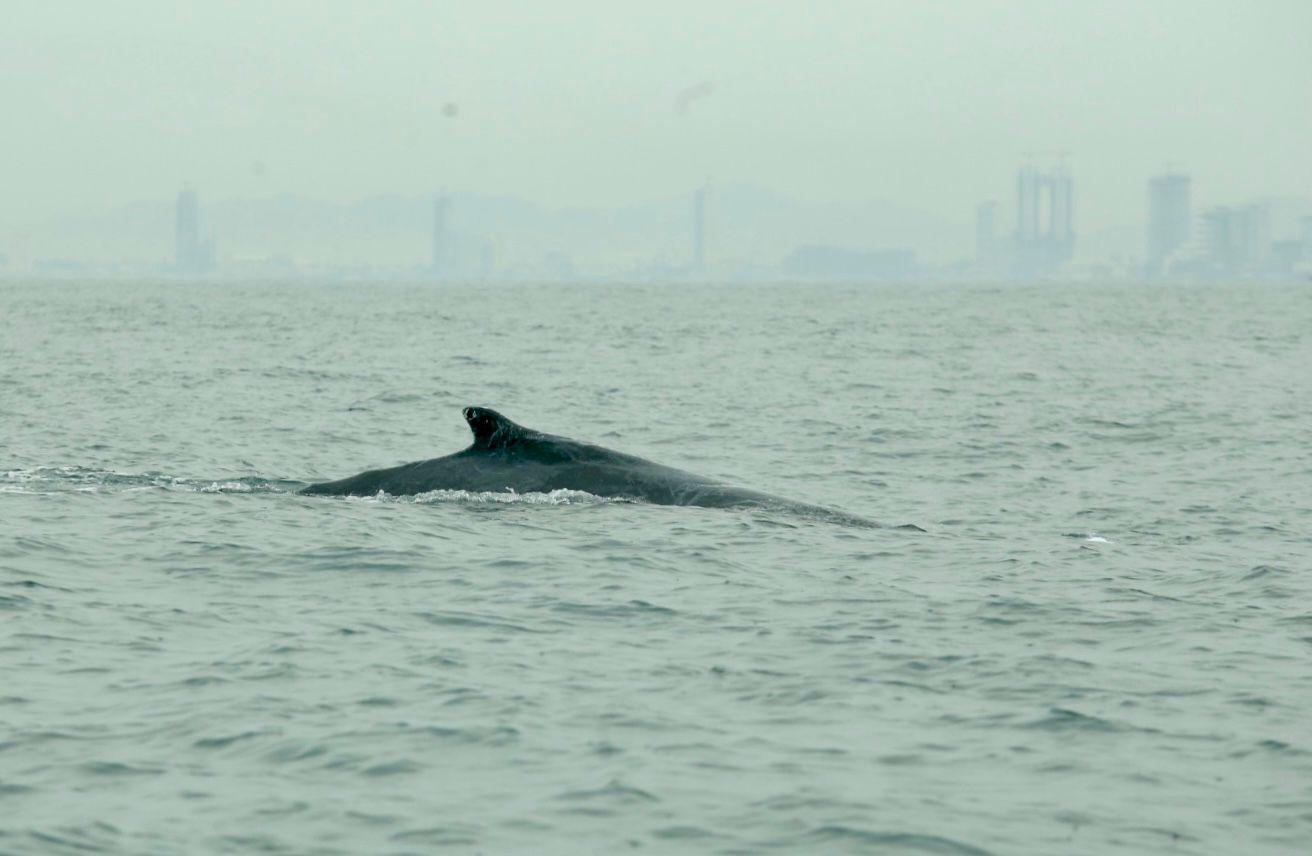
(1045,219)
(1062,228)
(1168,219)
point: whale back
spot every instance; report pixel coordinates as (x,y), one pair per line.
(500,436)
(506,455)
(493,431)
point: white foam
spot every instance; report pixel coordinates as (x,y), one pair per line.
(562,496)
(91,480)
(226,487)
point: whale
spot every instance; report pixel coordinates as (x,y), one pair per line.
(506,456)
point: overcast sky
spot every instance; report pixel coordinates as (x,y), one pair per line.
(571,102)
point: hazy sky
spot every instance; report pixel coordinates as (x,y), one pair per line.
(569,102)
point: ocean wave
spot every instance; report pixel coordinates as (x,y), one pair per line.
(77,479)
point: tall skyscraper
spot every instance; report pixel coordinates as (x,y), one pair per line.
(1169,219)
(699,230)
(1045,219)
(191,254)
(1063,214)
(1027,207)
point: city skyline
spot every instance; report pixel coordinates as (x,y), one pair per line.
(1034,237)
(929,107)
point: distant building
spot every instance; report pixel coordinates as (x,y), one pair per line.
(1235,240)
(1044,243)
(1255,235)
(191,254)
(1169,219)
(1219,241)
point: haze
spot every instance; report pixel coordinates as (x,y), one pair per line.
(929,106)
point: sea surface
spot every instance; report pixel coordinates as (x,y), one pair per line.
(1102,643)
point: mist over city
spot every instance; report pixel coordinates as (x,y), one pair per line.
(719,427)
(502,141)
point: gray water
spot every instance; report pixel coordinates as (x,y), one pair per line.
(1100,644)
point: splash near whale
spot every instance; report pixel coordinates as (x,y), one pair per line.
(508,456)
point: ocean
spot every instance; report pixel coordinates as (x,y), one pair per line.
(1102,643)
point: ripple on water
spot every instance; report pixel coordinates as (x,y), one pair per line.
(1108,625)
(844,837)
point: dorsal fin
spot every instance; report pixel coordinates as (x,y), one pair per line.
(491,429)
